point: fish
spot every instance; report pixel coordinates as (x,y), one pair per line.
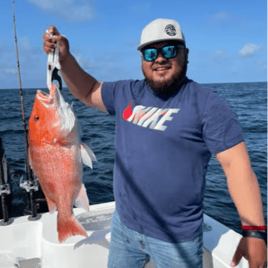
(56,156)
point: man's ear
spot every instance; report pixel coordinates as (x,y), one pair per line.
(187,54)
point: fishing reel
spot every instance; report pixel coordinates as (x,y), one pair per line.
(36,197)
(5,189)
(29,185)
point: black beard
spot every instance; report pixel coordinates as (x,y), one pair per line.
(168,87)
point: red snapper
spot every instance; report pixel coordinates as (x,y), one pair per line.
(56,156)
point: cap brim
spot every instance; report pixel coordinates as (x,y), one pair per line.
(140,47)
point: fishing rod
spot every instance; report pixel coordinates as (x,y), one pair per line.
(31,184)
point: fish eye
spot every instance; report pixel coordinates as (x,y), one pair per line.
(36,118)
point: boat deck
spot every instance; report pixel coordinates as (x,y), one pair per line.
(34,243)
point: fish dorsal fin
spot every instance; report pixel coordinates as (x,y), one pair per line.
(66,114)
(87,155)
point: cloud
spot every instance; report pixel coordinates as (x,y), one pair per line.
(24,43)
(219,52)
(24,46)
(3,48)
(219,16)
(236,20)
(143,7)
(82,60)
(109,67)
(72,10)
(32,62)
(28,53)
(249,50)
(93,63)
(221,65)
(11,71)
(132,43)
(7,57)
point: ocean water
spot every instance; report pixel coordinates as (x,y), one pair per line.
(248,100)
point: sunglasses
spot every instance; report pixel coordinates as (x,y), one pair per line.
(168,52)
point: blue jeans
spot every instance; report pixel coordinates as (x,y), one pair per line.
(130,249)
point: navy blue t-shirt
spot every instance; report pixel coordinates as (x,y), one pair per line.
(162,149)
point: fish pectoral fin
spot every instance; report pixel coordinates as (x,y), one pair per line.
(60,141)
(87,155)
(52,207)
(81,200)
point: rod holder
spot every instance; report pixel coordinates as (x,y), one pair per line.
(4,186)
(5,189)
(6,221)
(31,186)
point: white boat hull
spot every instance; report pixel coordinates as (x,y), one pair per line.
(35,243)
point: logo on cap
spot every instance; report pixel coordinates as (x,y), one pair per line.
(170,30)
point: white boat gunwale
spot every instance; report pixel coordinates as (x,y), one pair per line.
(35,242)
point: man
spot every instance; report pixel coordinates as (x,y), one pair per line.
(167,127)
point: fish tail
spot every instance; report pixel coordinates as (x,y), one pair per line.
(68,227)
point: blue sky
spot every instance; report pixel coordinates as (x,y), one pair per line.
(227,39)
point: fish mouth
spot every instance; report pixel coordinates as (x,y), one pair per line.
(44,98)
(42,95)
(48,99)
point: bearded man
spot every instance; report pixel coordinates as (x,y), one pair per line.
(167,128)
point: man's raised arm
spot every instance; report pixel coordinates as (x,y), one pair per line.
(82,85)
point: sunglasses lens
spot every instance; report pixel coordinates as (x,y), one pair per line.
(150,54)
(169,52)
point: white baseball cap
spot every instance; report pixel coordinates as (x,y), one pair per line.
(161,30)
